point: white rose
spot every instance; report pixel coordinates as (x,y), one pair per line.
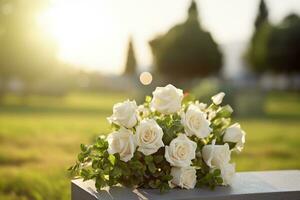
(235,134)
(218,98)
(121,142)
(148,136)
(216,155)
(195,122)
(181,151)
(227,173)
(167,100)
(124,114)
(184,177)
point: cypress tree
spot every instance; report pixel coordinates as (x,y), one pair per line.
(262,15)
(131,65)
(257,53)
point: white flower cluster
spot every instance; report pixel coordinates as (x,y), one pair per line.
(139,131)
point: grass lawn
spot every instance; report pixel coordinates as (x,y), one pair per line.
(40,138)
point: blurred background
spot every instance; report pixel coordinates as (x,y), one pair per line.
(64,63)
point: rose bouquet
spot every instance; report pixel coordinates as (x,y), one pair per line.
(169,141)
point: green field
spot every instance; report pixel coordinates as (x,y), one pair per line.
(39,139)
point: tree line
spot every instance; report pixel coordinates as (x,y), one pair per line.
(188,51)
(185,51)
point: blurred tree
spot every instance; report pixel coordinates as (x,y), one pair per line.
(262,15)
(274,48)
(186,50)
(26,52)
(257,52)
(284,46)
(130,66)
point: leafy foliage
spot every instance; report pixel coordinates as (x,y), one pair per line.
(171,126)
(94,162)
(210,179)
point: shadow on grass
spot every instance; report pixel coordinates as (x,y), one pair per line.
(17,162)
(273,116)
(271,153)
(31,185)
(26,109)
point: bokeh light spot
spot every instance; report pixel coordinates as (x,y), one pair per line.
(146,78)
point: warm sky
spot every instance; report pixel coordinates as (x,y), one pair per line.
(94,33)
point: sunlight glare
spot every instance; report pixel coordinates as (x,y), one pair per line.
(78,25)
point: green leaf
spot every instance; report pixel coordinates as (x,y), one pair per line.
(117,156)
(219,180)
(158,158)
(86,174)
(157,182)
(116,172)
(197,162)
(74,170)
(217,172)
(158,173)
(83,147)
(112,159)
(167,138)
(164,187)
(100,182)
(148,99)
(209,176)
(136,165)
(115,126)
(101,144)
(231,145)
(80,157)
(225,111)
(219,125)
(95,163)
(148,159)
(138,155)
(167,177)
(105,154)
(213,107)
(152,168)
(152,184)
(124,167)
(106,167)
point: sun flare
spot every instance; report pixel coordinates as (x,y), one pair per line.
(83,30)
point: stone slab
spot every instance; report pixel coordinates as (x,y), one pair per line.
(275,185)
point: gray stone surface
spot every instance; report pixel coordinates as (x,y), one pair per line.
(277,185)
